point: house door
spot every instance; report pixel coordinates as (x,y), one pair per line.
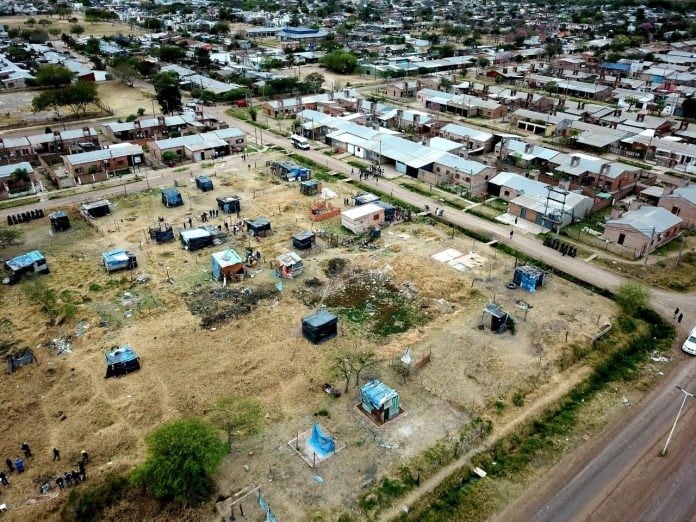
(523,213)
(385,418)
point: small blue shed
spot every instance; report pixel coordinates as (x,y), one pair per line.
(229,204)
(379,401)
(204,183)
(118,259)
(121,361)
(171,197)
(33,261)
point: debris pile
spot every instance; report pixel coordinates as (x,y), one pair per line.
(218,305)
(61,345)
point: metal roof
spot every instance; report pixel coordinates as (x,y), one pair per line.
(226,258)
(377,393)
(103,154)
(688,193)
(648,220)
(7,170)
(28,259)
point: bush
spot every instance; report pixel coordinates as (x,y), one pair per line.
(85,505)
(631,297)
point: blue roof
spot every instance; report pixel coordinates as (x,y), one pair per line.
(118,255)
(377,393)
(170,192)
(123,354)
(24,260)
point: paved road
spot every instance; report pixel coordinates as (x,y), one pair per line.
(620,471)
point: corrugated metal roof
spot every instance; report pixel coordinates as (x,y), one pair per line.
(648,220)
(7,170)
(377,393)
(103,154)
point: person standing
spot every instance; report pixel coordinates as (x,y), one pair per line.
(85,457)
(3,479)
(679,319)
(68,478)
(10,466)
(19,465)
(60,483)
(56,454)
(511,233)
(676,313)
(26,449)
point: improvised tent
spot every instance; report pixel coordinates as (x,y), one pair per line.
(379,401)
(121,361)
(259,226)
(118,259)
(171,197)
(197,238)
(364,199)
(310,187)
(494,318)
(97,208)
(204,183)
(20,358)
(289,265)
(33,261)
(226,264)
(528,277)
(389,210)
(320,326)
(162,232)
(59,221)
(304,240)
(229,204)
(321,443)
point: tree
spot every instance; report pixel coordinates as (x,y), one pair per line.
(631,297)
(125,73)
(77,29)
(171,53)
(10,237)
(341,62)
(79,95)
(154,24)
(253,112)
(237,416)
(31,21)
(220,28)
(167,91)
(182,455)
(45,101)
(315,81)
(55,31)
(349,365)
(631,101)
(169,157)
(45,22)
(53,76)
(202,57)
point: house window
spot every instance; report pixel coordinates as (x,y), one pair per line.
(675,210)
(622,238)
(240,140)
(506,193)
(375,217)
(78,170)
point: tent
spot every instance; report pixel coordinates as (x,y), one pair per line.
(259,226)
(320,326)
(310,187)
(320,442)
(118,259)
(229,204)
(59,221)
(304,240)
(364,199)
(389,210)
(162,233)
(171,197)
(528,277)
(197,238)
(33,261)
(121,361)
(20,358)
(494,318)
(379,401)
(289,265)
(204,183)
(226,264)
(97,208)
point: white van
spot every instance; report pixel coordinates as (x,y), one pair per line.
(300,142)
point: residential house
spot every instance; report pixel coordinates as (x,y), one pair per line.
(405,89)
(680,201)
(642,230)
(460,104)
(200,147)
(17,180)
(100,164)
(472,176)
(581,171)
(475,140)
(293,37)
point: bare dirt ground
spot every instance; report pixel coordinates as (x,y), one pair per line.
(262,354)
(96,29)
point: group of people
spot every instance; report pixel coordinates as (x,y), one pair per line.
(67,479)
(678,316)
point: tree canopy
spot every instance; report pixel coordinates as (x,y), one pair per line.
(182,455)
(341,62)
(237,416)
(632,296)
(167,91)
(53,76)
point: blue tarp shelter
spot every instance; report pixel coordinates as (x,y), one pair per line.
(229,204)
(259,226)
(364,199)
(204,183)
(171,197)
(59,221)
(33,261)
(121,361)
(118,259)
(320,326)
(389,210)
(379,401)
(304,240)
(226,264)
(310,187)
(197,238)
(320,442)
(528,277)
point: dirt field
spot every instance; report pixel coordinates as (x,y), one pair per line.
(262,354)
(96,29)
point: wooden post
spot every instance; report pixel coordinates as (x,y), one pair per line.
(297,441)
(598,318)
(241,510)
(314,460)
(566,337)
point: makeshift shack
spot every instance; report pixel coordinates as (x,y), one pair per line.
(389,210)
(320,326)
(304,240)
(204,183)
(121,361)
(364,199)
(59,221)
(226,265)
(31,262)
(311,187)
(528,277)
(19,358)
(494,318)
(171,197)
(97,208)
(197,238)
(118,259)
(322,210)
(379,401)
(162,232)
(362,218)
(259,226)
(289,171)
(229,204)
(289,265)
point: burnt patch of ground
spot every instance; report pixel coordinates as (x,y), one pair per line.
(219,305)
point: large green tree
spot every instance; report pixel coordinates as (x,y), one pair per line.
(182,455)
(237,416)
(167,91)
(53,76)
(341,62)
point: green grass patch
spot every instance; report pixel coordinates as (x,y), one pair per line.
(358,164)
(19,202)
(637,164)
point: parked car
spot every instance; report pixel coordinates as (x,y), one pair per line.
(689,345)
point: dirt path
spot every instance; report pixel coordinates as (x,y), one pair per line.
(544,396)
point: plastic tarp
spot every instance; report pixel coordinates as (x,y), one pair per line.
(320,327)
(204,183)
(321,443)
(171,197)
(221,260)
(25,260)
(377,394)
(121,361)
(119,258)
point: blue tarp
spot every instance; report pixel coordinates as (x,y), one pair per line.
(204,183)
(171,197)
(377,393)
(613,66)
(219,261)
(321,443)
(122,355)
(118,258)
(25,260)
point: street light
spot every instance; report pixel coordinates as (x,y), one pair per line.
(669,437)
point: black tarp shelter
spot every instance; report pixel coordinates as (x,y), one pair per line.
(97,208)
(320,326)
(19,358)
(171,197)
(59,221)
(204,183)
(304,240)
(229,204)
(259,226)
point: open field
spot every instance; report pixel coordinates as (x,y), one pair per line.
(261,353)
(96,29)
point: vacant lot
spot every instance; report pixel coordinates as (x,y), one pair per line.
(96,29)
(433,308)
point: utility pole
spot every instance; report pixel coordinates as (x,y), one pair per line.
(669,437)
(647,249)
(681,248)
